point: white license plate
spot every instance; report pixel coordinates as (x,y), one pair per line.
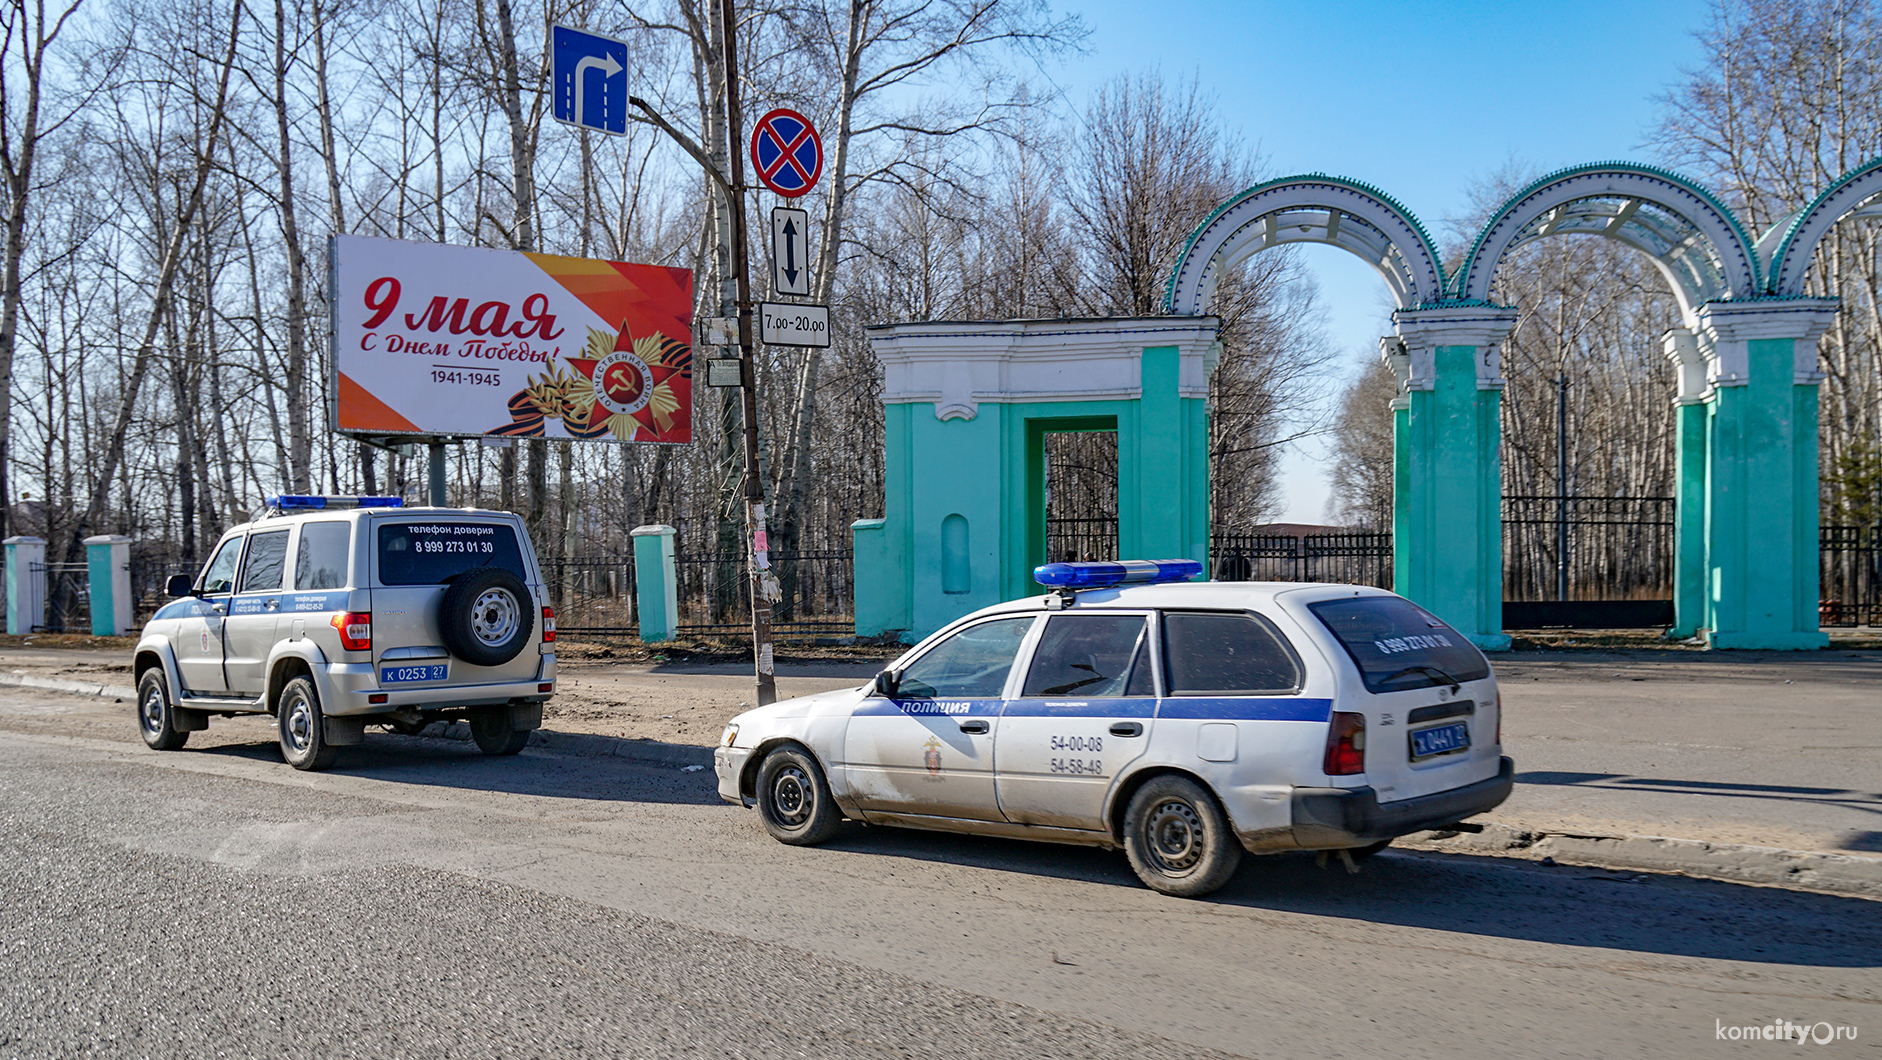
(1440,740)
(392,675)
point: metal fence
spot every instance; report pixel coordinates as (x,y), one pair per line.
(1352,558)
(68,597)
(1850,567)
(597,594)
(1587,548)
(1082,539)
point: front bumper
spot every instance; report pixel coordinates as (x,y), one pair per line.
(1332,818)
(729,764)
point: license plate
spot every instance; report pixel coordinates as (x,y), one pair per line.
(1440,740)
(392,675)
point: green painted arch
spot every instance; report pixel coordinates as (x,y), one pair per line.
(1222,234)
(1804,232)
(1671,192)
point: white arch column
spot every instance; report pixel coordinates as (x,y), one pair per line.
(1761,486)
(1447,483)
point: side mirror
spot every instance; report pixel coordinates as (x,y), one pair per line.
(886,684)
(179,585)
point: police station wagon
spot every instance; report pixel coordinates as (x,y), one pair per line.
(334,612)
(1185,723)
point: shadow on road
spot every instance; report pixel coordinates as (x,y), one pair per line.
(1476,895)
(1869,802)
(458,764)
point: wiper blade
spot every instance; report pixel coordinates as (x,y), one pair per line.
(1443,677)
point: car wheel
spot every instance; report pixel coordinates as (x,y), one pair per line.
(1362,853)
(485,617)
(491,730)
(794,799)
(302,726)
(1178,839)
(156,714)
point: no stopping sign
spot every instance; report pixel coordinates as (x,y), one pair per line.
(787,152)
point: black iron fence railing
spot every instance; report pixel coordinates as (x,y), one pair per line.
(598,594)
(1353,558)
(1850,569)
(1081,540)
(1587,548)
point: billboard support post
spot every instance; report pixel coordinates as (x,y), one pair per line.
(438,498)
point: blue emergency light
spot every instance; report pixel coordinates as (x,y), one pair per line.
(287,502)
(1070,576)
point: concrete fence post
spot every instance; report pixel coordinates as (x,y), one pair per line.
(108,568)
(26,583)
(656,585)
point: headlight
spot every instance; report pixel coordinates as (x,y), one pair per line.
(729,736)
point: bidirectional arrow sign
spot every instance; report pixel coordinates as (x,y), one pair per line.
(590,80)
(790,250)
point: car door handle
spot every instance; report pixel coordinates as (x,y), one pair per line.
(976,727)
(1127,728)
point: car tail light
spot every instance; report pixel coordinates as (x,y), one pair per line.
(355,630)
(1346,744)
(548,625)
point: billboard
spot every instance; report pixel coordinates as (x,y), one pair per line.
(431,339)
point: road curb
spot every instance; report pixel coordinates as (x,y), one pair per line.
(60,684)
(1739,863)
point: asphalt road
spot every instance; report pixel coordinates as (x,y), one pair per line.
(421,900)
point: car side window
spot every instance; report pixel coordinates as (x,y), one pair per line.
(219,576)
(1226,654)
(266,562)
(320,561)
(971,664)
(1089,656)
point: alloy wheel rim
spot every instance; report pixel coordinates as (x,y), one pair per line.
(1173,836)
(495,617)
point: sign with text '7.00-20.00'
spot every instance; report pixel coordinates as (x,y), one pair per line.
(432,339)
(787,324)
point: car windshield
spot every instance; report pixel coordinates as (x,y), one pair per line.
(1398,645)
(435,551)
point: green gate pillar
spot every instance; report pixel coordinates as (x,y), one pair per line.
(966,408)
(1447,517)
(656,585)
(108,570)
(1761,489)
(1689,483)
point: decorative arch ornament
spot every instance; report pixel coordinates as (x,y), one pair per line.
(1691,236)
(1791,244)
(1311,208)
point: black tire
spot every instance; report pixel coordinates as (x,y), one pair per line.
(794,799)
(491,730)
(486,616)
(156,713)
(1362,853)
(302,726)
(1178,839)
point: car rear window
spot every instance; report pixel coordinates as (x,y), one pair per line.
(1398,645)
(435,551)
(1225,654)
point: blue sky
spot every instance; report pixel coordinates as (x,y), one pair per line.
(1420,99)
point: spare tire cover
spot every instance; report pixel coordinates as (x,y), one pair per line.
(486,616)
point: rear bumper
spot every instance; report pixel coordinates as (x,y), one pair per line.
(1331,818)
(347,686)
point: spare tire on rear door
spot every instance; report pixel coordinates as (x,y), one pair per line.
(485,616)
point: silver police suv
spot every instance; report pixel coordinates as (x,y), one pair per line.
(332,613)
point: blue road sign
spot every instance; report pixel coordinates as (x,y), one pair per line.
(590,80)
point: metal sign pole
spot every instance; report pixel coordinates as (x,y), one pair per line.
(438,496)
(756,537)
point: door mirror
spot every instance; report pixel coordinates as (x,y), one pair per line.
(179,585)
(886,684)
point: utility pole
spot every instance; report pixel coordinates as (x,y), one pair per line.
(733,188)
(1561,486)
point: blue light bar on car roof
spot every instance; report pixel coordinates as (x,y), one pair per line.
(314,502)
(1122,572)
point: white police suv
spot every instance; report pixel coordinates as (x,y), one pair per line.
(335,612)
(1185,723)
